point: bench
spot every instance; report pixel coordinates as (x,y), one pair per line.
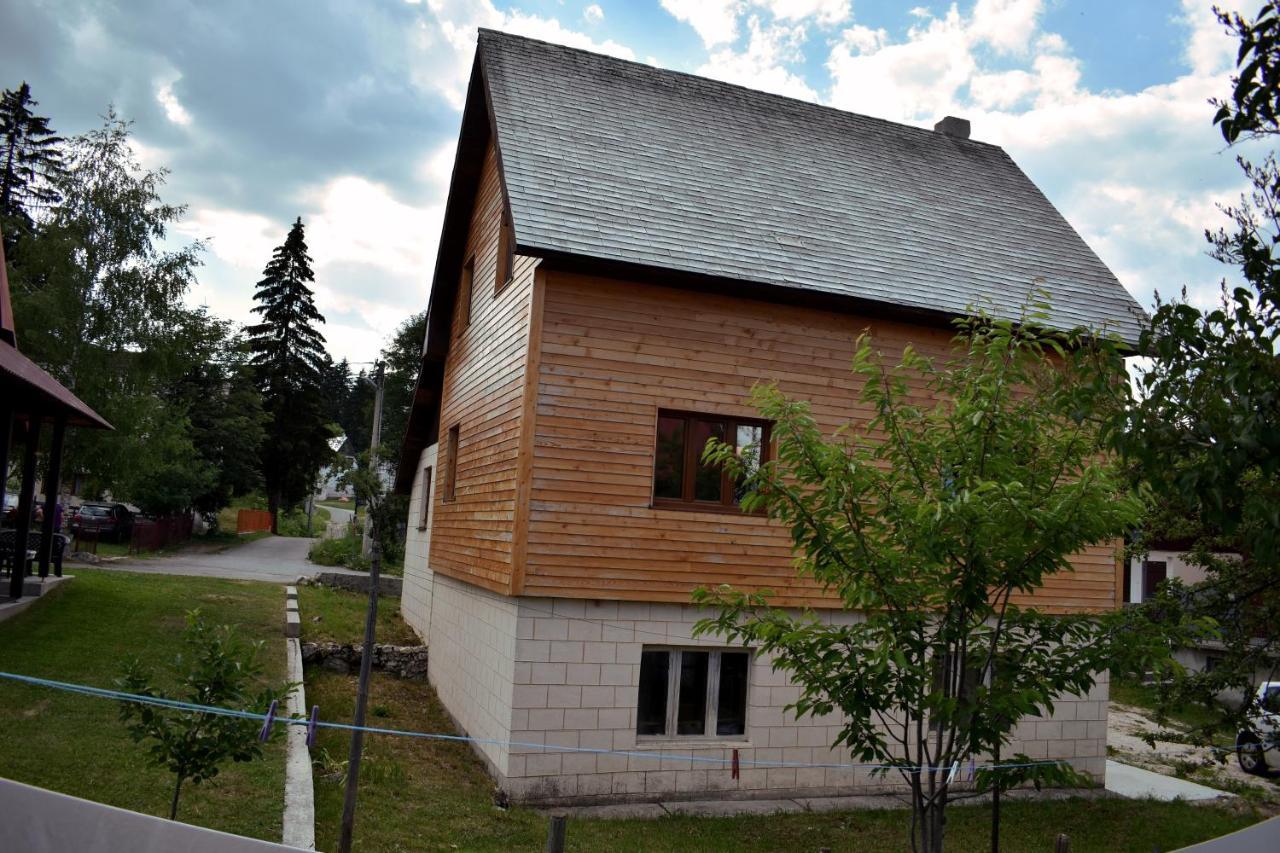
(7,539)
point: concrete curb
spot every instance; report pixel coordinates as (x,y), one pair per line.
(299,791)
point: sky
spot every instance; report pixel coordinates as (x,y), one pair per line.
(346,113)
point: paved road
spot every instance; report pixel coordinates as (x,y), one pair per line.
(278,559)
(343,515)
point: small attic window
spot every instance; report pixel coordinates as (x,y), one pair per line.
(506,254)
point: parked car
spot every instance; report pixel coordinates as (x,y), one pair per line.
(1258,746)
(111,521)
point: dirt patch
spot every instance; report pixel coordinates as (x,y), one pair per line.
(1126,726)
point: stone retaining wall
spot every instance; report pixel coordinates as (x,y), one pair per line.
(389,587)
(400,661)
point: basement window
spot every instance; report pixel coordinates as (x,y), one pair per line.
(692,693)
(680,478)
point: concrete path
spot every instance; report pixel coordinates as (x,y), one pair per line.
(1134,782)
(343,515)
(277,559)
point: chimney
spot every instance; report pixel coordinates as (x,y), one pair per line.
(952,126)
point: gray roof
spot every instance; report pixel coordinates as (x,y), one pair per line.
(622,162)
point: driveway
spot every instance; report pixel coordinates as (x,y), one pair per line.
(277,559)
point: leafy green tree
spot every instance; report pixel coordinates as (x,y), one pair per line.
(931,522)
(30,164)
(101,306)
(219,671)
(403,358)
(1205,428)
(289,358)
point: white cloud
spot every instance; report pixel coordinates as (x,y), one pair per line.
(173,108)
(1005,25)
(593,14)
(762,64)
(356,220)
(444,42)
(715,21)
(822,11)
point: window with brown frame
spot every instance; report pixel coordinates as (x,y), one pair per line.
(426,498)
(680,478)
(506,255)
(465,288)
(450,464)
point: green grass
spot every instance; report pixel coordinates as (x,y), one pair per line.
(75,744)
(1143,696)
(342,617)
(432,795)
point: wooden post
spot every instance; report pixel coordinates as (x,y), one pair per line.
(555,834)
(25,500)
(53,476)
(6,434)
(1062,844)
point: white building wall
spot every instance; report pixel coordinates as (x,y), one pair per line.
(1176,564)
(415,601)
(473,648)
(575,681)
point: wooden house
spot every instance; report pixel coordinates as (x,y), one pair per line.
(625,251)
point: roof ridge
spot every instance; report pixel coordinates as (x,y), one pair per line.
(724,84)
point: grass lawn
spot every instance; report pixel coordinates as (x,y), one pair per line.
(342,617)
(432,795)
(1145,697)
(76,744)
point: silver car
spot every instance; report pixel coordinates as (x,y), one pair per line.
(1258,746)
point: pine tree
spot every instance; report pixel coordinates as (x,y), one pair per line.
(30,163)
(289,358)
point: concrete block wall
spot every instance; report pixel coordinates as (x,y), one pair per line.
(473,652)
(576,681)
(565,673)
(415,598)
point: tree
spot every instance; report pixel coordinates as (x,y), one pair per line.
(101,302)
(30,164)
(933,522)
(224,410)
(220,671)
(403,358)
(1205,428)
(289,358)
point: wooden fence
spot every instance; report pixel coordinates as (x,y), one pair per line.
(152,534)
(252,520)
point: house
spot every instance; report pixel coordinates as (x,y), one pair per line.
(625,251)
(331,486)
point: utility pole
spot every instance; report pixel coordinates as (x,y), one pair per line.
(375,439)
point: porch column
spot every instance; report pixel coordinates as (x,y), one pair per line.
(53,477)
(26,499)
(6,434)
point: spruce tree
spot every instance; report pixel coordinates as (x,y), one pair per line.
(289,358)
(30,163)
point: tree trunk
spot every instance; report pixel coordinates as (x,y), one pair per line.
(273,506)
(173,806)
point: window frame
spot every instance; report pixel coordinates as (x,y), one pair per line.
(504,267)
(466,288)
(423,519)
(453,438)
(687,503)
(711,705)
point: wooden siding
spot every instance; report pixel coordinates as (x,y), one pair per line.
(613,353)
(471,535)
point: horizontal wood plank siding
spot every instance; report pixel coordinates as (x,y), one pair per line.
(612,353)
(471,536)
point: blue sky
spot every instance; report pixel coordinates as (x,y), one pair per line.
(344,112)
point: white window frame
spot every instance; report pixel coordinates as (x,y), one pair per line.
(712,707)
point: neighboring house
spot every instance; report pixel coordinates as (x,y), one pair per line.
(1165,561)
(331,486)
(625,252)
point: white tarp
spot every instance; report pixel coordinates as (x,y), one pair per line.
(40,821)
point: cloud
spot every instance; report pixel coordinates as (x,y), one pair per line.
(715,21)
(762,65)
(593,14)
(173,108)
